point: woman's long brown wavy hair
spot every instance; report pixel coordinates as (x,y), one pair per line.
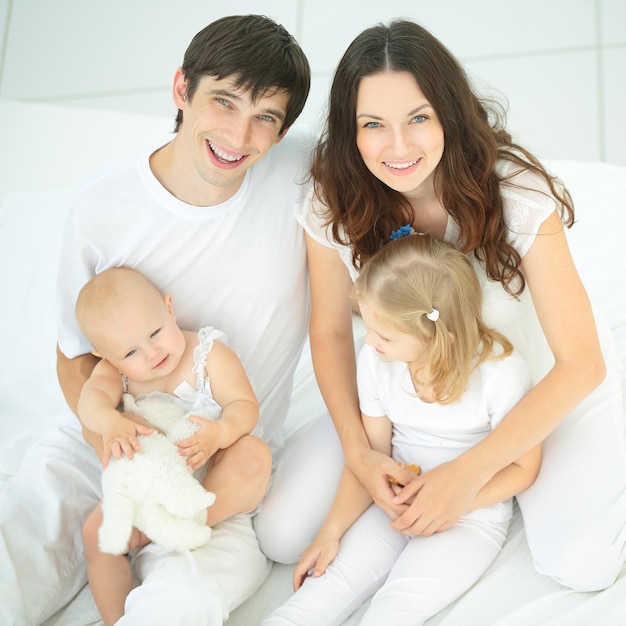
(475,139)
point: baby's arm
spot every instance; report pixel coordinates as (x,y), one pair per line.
(97,410)
(510,480)
(240,409)
(351,500)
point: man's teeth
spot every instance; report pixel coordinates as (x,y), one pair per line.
(225,156)
(401,166)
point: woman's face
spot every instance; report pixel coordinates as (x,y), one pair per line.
(399,134)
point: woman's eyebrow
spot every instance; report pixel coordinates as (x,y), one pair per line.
(426,105)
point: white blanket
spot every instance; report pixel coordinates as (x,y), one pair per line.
(509,594)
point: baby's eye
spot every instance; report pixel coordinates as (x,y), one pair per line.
(133,351)
(155,333)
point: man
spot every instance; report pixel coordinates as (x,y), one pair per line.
(209,219)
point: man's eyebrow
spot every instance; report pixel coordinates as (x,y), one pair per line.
(233,95)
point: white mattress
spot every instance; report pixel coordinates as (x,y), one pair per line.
(510,593)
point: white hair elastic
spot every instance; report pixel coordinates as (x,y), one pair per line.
(433,316)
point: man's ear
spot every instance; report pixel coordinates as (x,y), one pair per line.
(179,89)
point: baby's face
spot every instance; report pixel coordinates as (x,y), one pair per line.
(143,341)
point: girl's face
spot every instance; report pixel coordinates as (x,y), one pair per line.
(390,343)
(399,134)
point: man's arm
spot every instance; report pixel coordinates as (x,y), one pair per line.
(72,374)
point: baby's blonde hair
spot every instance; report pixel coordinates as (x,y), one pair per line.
(101,297)
(407,280)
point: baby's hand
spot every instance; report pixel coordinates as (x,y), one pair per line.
(199,448)
(120,438)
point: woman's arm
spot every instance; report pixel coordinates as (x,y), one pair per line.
(565,314)
(332,350)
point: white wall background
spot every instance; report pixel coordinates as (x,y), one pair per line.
(560,63)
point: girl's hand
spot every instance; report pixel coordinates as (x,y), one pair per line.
(120,437)
(315,558)
(436,500)
(201,446)
(373,469)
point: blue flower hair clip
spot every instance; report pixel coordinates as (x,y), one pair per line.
(402,231)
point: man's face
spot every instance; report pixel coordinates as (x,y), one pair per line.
(226,131)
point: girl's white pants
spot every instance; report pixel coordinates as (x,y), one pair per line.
(413,578)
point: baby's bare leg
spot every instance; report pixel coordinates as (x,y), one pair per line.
(239,477)
(110,577)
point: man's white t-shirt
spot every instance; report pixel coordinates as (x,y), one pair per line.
(239,266)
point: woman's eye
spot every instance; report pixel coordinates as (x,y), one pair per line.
(372,125)
(419,119)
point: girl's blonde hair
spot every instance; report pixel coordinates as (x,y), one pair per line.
(410,278)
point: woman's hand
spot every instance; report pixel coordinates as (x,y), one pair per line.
(435,500)
(316,558)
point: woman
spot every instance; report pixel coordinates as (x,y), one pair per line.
(408,144)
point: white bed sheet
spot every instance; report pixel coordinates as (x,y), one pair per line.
(511,593)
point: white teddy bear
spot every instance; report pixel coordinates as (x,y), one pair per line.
(155,491)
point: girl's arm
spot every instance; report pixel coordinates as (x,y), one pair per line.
(97,409)
(351,500)
(332,350)
(565,314)
(511,480)
(240,409)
